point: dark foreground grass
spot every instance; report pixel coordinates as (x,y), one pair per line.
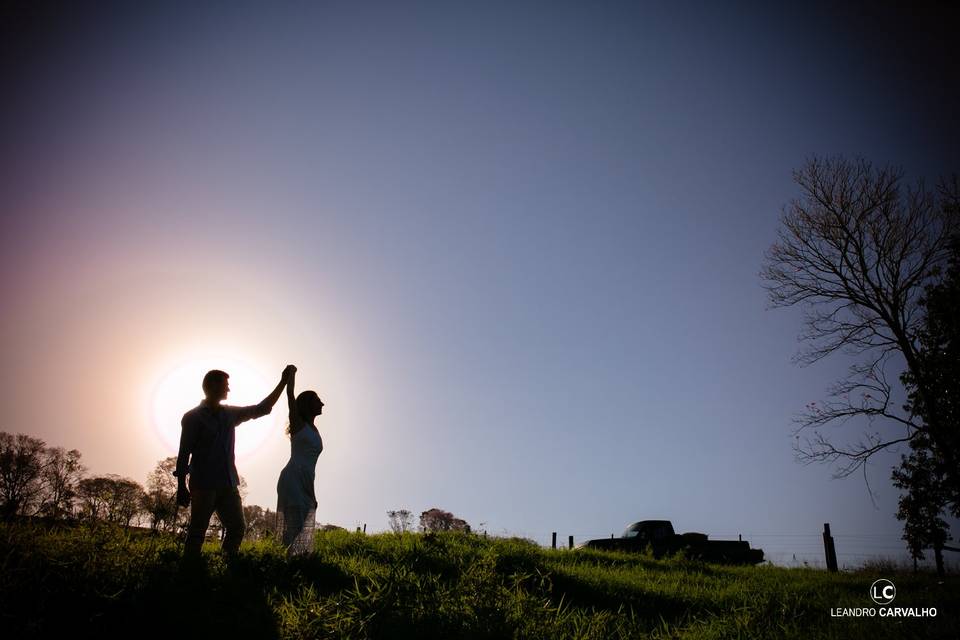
(103,582)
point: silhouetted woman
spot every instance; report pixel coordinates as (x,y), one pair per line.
(296,500)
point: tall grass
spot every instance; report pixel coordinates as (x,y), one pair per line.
(110,582)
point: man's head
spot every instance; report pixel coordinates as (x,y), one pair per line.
(216,385)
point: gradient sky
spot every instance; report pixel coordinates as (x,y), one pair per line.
(514,246)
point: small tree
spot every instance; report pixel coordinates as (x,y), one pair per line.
(111,498)
(939,340)
(440,520)
(127,501)
(922,504)
(261,522)
(94,498)
(21,473)
(400,521)
(160,498)
(929,482)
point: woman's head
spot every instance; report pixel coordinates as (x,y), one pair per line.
(309,405)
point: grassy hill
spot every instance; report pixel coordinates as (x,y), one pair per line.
(102,581)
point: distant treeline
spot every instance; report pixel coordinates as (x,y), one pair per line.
(51,482)
(41,481)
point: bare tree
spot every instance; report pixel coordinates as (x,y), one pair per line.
(21,469)
(856,252)
(401,520)
(62,472)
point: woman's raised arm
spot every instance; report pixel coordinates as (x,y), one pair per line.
(293,414)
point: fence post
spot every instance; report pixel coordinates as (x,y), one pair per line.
(829,550)
(553,545)
(571,542)
(364,527)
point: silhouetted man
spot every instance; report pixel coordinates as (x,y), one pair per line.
(206,455)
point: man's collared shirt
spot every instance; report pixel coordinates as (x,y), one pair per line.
(207,440)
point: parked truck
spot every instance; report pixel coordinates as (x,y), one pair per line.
(662,540)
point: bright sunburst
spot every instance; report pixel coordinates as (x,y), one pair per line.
(180,390)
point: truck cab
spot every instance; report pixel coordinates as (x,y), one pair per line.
(650,531)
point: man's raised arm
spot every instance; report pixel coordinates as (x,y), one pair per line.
(265,406)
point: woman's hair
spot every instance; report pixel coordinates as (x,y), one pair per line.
(302,405)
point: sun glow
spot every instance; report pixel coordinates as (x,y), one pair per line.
(180,390)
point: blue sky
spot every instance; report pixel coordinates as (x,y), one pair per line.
(514,246)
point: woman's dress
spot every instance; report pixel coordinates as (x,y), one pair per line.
(296,500)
